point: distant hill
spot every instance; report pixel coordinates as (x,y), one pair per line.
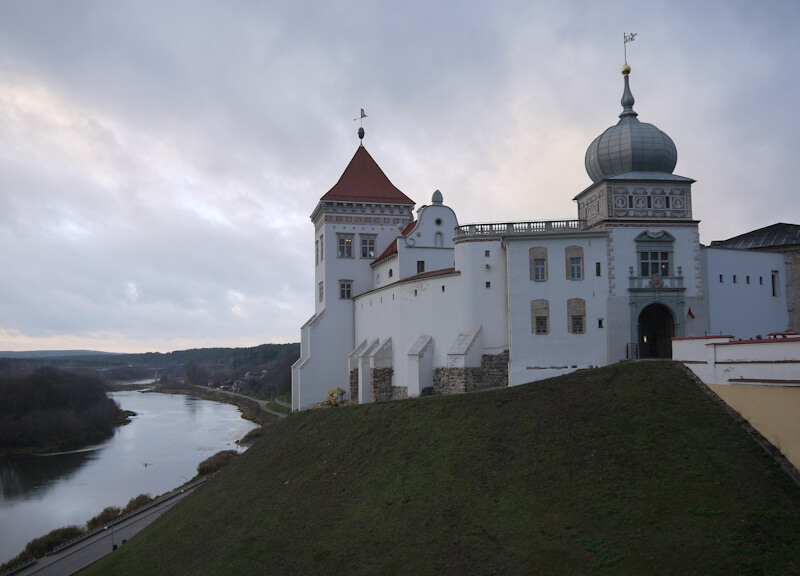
(628,469)
(53,353)
(272,362)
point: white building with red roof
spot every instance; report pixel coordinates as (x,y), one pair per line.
(410,302)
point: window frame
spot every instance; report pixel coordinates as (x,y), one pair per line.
(345,289)
(344,245)
(368,243)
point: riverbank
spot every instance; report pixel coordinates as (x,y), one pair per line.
(252,409)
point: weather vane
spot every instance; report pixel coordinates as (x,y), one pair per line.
(361,126)
(627,38)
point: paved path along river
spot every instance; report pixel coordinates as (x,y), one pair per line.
(91,549)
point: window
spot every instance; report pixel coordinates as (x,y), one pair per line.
(575,268)
(438,240)
(748,279)
(345,289)
(654,253)
(654,262)
(442,287)
(667,202)
(630,201)
(321,291)
(540,317)
(539,270)
(321,248)
(367,246)
(734,278)
(599,322)
(486,253)
(775,287)
(760,280)
(316,252)
(576,315)
(574,261)
(597,269)
(720,278)
(420,266)
(649,201)
(390,273)
(488,284)
(537,261)
(345,246)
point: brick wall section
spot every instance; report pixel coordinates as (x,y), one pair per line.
(354,384)
(492,373)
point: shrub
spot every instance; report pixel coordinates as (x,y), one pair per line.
(215,462)
(106,516)
(137,502)
(40,546)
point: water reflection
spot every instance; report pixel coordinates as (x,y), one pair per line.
(31,476)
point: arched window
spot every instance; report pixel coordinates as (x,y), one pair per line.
(573,256)
(540,317)
(576,315)
(438,240)
(537,263)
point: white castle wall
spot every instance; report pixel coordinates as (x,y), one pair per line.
(538,356)
(739,295)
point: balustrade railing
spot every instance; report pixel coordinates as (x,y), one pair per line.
(512,228)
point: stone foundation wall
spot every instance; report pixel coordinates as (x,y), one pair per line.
(382,384)
(492,373)
(354,385)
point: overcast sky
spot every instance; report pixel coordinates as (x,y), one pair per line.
(159,160)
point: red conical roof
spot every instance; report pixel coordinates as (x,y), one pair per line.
(364,181)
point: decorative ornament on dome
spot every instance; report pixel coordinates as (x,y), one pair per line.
(437,198)
(360,119)
(630,145)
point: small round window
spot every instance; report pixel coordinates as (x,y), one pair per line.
(438,221)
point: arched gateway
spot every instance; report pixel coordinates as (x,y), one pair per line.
(656,329)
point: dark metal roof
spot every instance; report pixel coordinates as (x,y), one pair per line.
(630,146)
(774,236)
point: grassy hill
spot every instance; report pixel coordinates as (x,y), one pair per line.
(629,469)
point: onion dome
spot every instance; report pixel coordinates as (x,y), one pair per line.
(630,145)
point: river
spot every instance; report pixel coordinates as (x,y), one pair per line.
(157,452)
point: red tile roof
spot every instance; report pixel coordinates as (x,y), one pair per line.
(364,181)
(391,249)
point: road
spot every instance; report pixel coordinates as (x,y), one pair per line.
(83,553)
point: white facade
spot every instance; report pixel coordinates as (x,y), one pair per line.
(746,292)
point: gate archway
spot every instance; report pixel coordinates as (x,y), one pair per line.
(656,329)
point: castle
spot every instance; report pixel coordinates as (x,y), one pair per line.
(410,302)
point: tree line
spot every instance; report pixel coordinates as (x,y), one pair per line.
(51,409)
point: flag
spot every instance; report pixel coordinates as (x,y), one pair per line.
(690,313)
(630,37)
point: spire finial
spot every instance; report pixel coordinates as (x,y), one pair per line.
(361,126)
(627,96)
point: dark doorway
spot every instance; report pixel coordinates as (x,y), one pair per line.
(656,329)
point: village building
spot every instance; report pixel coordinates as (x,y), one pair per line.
(410,302)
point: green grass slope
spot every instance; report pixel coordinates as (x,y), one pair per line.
(629,469)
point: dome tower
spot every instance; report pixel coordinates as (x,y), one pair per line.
(631,166)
